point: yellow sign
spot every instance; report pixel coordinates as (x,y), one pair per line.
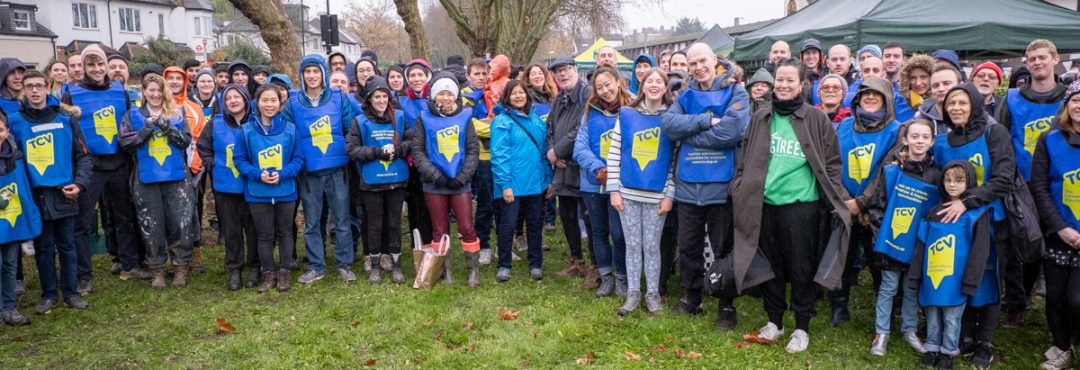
(901,220)
(322,135)
(940,259)
(270,158)
(385,164)
(229,160)
(40,153)
(859,161)
(1070,194)
(1032,130)
(14,208)
(646,144)
(159,147)
(605,143)
(447,139)
(105,123)
(980,168)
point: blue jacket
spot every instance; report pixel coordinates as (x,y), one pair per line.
(585,158)
(697,130)
(252,171)
(516,162)
(347,112)
(634,84)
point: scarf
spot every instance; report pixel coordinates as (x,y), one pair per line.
(610,108)
(786,107)
(869,119)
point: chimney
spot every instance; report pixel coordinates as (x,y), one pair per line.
(737,20)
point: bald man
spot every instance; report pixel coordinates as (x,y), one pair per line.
(840,62)
(872,67)
(605,56)
(708,118)
(780,50)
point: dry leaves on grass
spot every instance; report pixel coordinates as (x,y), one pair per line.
(588,359)
(507,315)
(355,324)
(370,362)
(631,356)
(658,348)
(224,326)
(749,340)
(468,325)
(693,355)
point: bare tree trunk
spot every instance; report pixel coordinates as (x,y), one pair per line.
(409,11)
(277,32)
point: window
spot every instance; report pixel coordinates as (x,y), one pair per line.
(84,15)
(129,20)
(208,26)
(198,26)
(22,20)
(161,25)
(202,26)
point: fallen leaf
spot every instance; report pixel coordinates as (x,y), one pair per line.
(658,348)
(652,360)
(552,306)
(472,347)
(588,359)
(670,339)
(679,353)
(355,324)
(370,362)
(631,356)
(743,344)
(468,325)
(438,336)
(223,326)
(507,314)
(693,355)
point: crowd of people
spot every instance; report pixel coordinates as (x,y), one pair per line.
(822,164)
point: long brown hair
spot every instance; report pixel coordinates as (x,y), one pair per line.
(1066,122)
(549,82)
(50,81)
(169,109)
(389,113)
(622,94)
(666,98)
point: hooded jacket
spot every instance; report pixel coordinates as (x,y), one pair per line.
(51,201)
(204,144)
(209,103)
(7,66)
(249,168)
(1002,159)
(354,141)
(500,75)
(1004,116)
(634,83)
(698,130)
(1052,222)
(917,61)
(760,76)
(980,241)
(347,114)
(243,66)
(194,117)
(516,162)
(883,87)
(429,174)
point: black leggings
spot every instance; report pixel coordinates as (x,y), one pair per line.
(789,238)
(568,214)
(274,223)
(1062,298)
(237,228)
(382,212)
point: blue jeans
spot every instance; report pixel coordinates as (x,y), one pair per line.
(486,214)
(605,223)
(529,206)
(943,329)
(335,187)
(549,211)
(9,255)
(909,309)
(57,238)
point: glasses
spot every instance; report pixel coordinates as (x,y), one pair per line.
(337,63)
(831,88)
(33,87)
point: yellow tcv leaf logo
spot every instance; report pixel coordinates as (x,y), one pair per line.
(270,158)
(1070,194)
(229,160)
(939,262)
(322,135)
(448,142)
(980,167)
(646,144)
(901,220)
(14,208)
(40,153)
(1032,130)
(105,123)
(859,162)
(159,147)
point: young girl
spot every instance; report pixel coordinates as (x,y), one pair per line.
(268,158)
(377,142)
(19,220)
(591,146)
(908,188)
(641,187)
(948,263)
(157,136)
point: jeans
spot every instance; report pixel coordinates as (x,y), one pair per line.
(439,207)
(334,186)
(1062,297)
(382,210)
(549,211)
(165,220)
(237,228)
(486,215)
(909,311)
(789,240)
(609,254)
(943,329)
(9,254)
(57,239)
(113,190)
(529,206)
(273,224)
(642,229)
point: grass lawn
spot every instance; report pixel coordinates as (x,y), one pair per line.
(331,324)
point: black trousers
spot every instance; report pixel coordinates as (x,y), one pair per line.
(237,228)
(789,239)
(668,246)
(116,188)
(568,214)
(382,212)
(695,224)
(1062,298)
(274,223)
(417,207)
(1019,279)
(861,242)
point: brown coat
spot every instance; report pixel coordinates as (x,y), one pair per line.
(814,131)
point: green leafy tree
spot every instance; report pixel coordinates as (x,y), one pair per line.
(161,51)
(688,25)
(242,50)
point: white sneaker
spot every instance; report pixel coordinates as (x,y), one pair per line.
(798,342)
(770,332)
(485,257)
(913,341)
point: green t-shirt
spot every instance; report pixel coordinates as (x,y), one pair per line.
(790,179)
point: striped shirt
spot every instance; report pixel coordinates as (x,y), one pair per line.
(614,158)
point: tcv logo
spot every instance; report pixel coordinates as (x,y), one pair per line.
(860,160)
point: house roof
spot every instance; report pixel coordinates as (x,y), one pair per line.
(198,5)
(715,37)
(168,3)
(7,21)
(128,49)
(76,46)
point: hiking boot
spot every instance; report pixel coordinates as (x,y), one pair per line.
(385,263)
(878,346)
(798,342)
(770,332)
(310,277)
(592,279)
(396,276)
(503,275)
(77,302)
(14,318)
(283,284)
(573,268)
(448,276)
(1063,360)
(45,305)
(620,286)
(536,274)
(267,281)
(196,261)
(633,300)
(929,359)
(84,287)
(967,347)
(945,362)
(652,303)
(180,277)
(840,314)
(472,260)
(1013,319)
(984,355)
(234,280)
(912,340)
(116,268)
(137,273)
(684,307)
(252,278)
(485,257)
(158,281)
(607,286)
(726,318)
(346,274)
(375,276)
(367,263)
